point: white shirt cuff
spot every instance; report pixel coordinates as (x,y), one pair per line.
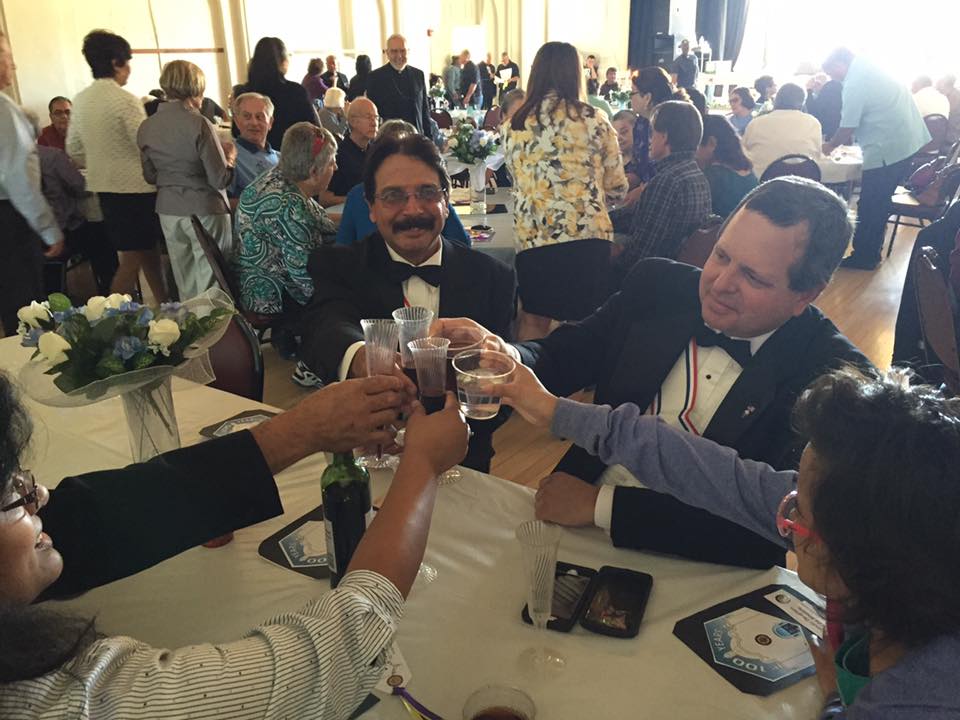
(348,360)
(603,510)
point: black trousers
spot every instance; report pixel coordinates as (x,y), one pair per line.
(21,266)
(873,209)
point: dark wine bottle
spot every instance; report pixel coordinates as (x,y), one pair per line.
(347,510)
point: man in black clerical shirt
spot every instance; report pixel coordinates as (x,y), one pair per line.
(398,90)
(723,353)
(363,120)
(405,262)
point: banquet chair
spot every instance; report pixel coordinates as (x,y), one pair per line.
(905,204)
(793,164)
(491,121)
(226,280)
(564,281)
(442,118)
(937,318)
(237,361)
(697,248)
(937,126)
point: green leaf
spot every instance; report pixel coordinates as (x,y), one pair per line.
(59,302)
(143,360)
(105,330)
(109,365)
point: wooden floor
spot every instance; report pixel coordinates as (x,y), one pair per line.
(862,304)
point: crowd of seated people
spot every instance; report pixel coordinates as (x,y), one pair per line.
(727,356)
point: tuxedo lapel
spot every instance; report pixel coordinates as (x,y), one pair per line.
(455,283)
(376,282)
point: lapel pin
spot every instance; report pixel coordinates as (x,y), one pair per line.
(750,410)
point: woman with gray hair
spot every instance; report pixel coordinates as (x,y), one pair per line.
(182,156)
(279,223)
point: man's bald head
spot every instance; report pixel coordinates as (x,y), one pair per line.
(363,120)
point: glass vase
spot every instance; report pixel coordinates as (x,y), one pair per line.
(151,420)
(478,188)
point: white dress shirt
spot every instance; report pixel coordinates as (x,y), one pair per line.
(318,662)
(781,132)
(931,101)
(683,405)
(20,172)
(417,292)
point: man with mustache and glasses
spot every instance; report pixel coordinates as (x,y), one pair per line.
(406,261)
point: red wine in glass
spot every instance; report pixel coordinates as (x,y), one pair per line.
(432,403)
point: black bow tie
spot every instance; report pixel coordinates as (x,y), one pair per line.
(739,350)
(401,272)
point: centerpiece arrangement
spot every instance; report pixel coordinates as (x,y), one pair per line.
(114,346)
(620,98)
(438,96)
(472,147)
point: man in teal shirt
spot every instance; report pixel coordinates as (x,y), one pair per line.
(889,129)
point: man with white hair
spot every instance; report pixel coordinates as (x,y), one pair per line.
(253,114)
(363,120)
(399,90)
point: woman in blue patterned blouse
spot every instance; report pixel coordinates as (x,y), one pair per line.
(279,224)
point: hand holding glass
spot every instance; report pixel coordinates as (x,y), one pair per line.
(476,370)
(380,349)
(430,358)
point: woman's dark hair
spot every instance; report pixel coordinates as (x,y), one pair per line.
(315,66)
(415,146)
(264,68)
(746,97)
(655,82)
(555,72)
(681,123)
(102,49)
(886,499)
(34,641)
(592,86)
(699,101)
(363,65)
(763,84)
(729,148)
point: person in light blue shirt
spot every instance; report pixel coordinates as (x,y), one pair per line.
(881,114)
(253,114)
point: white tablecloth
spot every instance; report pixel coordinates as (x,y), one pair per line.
(844,165)
(501,245)
(458,632)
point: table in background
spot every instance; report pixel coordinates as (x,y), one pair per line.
(843,168)
(501,245)
(458,632)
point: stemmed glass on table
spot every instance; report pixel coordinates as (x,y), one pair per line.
(539,542)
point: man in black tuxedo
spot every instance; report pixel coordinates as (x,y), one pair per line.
(666,343)
(398,90)
(405,262)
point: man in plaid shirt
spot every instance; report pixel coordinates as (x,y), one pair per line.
(677,199)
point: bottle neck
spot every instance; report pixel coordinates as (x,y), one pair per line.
(343,458)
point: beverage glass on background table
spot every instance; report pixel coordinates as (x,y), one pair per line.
(380,346)
(476,370)
(539,542)
(430,358)
(414,322)
(499,702)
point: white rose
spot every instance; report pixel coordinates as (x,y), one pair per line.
(163,333)
(452,142)
(94,308)
(116,300)
(483,141)
(31,315)
(53,347)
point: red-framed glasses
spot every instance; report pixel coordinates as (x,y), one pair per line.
(786,522)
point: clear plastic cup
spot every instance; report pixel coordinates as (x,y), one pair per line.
(499,702)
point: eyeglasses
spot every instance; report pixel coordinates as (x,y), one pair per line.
(397,198)
(26,487)
(786,524)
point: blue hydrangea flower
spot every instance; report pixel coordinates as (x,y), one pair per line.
(126,347)
(31,337)
(65,314)
(129,306)
(146,315)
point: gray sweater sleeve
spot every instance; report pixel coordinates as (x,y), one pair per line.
(693,469)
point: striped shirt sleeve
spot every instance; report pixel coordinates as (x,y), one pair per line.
(318,662)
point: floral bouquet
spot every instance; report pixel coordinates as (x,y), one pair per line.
(620,97)
(113,346)
(470,145)
(437,91)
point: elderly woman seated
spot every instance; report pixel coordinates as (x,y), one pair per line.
(278,225)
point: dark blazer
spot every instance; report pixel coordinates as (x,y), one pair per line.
(351,282)
(290,105)
(114,523)
(400,98)
(628,347)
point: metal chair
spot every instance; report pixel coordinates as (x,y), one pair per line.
(905,204)
(794,164)
(442,118)
(237,361)
(937,317)
(564,281)
(697,248)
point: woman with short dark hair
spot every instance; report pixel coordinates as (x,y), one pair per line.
(651,86)
(728,169)
(742,106)
(266,75)
(103,138)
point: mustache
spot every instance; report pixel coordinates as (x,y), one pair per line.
(418,222)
